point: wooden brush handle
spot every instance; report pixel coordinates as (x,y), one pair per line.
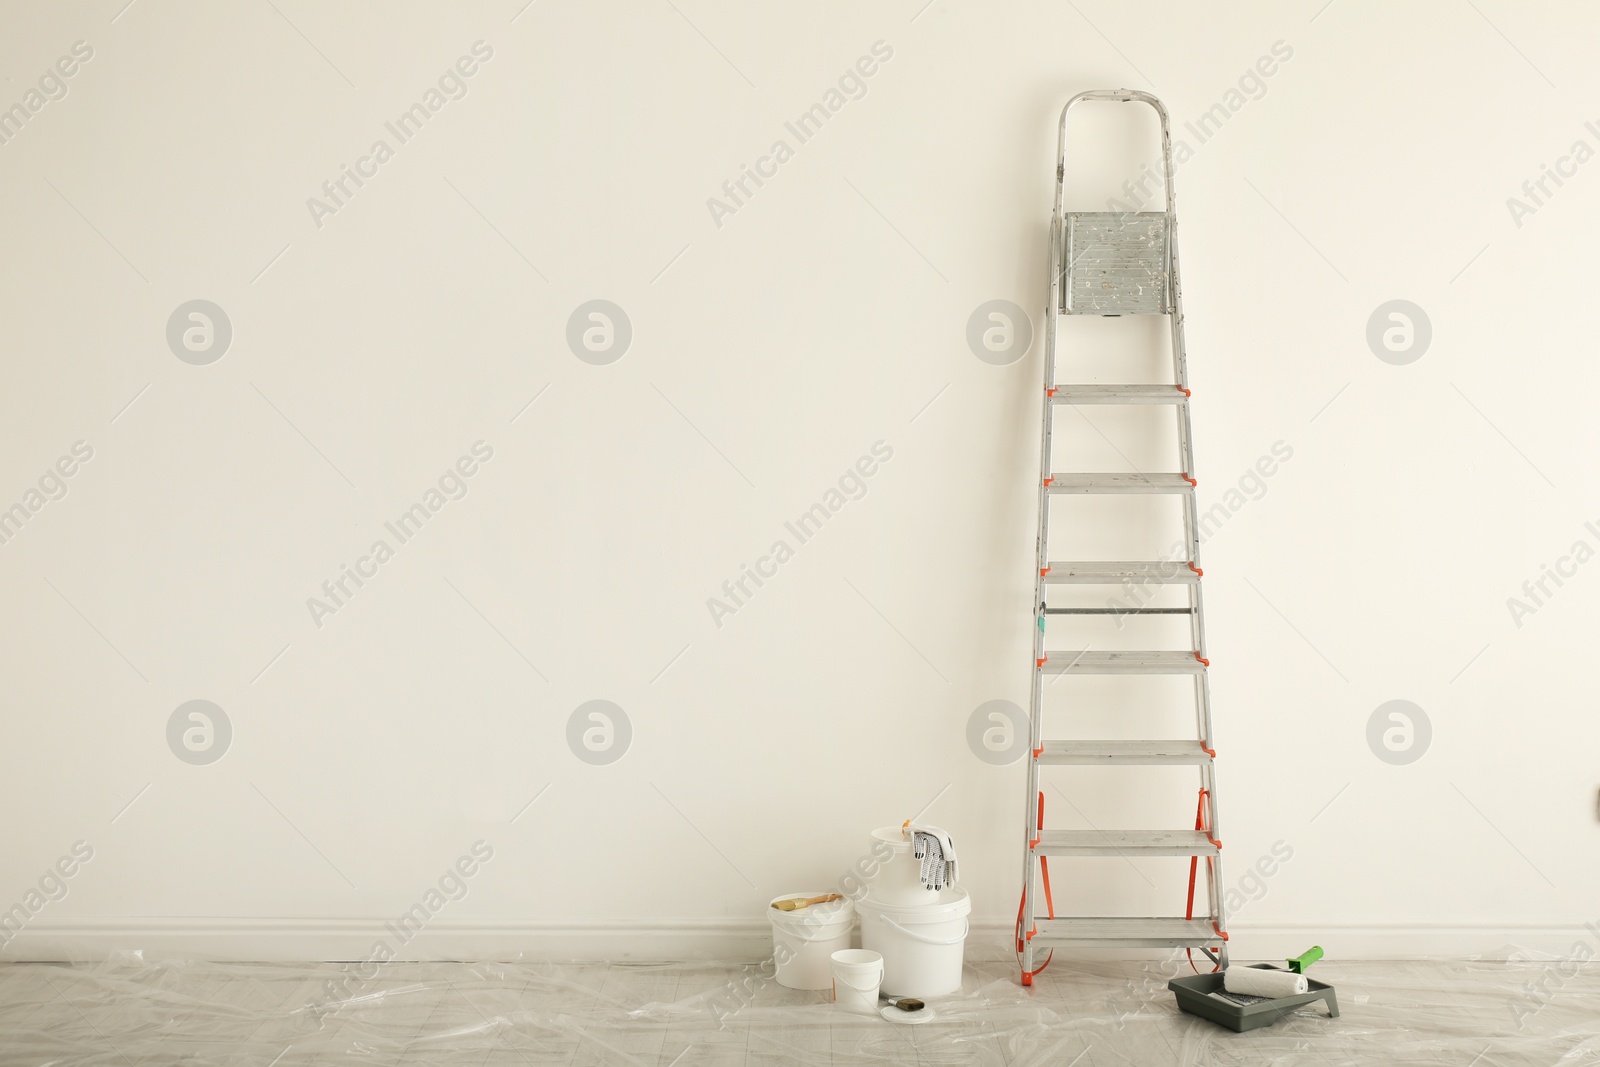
(796,903)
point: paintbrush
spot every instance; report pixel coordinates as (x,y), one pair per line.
(796,903)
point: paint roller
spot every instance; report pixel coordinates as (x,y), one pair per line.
(1271,982)
(1264,982)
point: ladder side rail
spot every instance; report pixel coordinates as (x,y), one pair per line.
(1214,880)
(1041,552)
(1210,767)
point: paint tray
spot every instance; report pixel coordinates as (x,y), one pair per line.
(1197,995)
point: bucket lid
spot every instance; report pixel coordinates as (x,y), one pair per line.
(953,903)
(833,913)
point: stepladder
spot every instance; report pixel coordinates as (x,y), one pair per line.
(1119,263)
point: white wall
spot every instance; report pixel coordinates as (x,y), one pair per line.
(768,353)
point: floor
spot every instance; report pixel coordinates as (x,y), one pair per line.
(129,1012)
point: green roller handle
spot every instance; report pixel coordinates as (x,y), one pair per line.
(1298,964)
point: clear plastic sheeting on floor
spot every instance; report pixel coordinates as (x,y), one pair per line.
(131,1012)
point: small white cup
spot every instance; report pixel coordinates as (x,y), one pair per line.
(857,975)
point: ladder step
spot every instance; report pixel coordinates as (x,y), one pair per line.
(1144,932)
(1069,662)
(1117,263)
(1119,483)
(1123,843)
(1161,572)
(1118,394)
(1142,753)
(1119,611)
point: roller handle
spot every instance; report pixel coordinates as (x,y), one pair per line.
(1298,964)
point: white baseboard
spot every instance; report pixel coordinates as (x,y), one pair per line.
(357,939)
(1398,941)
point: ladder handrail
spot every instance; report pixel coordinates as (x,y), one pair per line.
(1123,96)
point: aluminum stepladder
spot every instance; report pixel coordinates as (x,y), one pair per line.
(1115,263)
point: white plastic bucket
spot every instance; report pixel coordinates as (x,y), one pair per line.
(921,945)
(803,940)
(857,976)
(899,880)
